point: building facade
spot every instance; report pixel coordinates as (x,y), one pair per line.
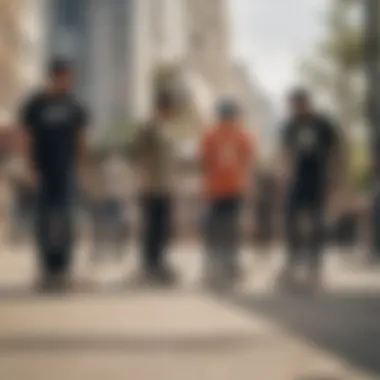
(12,54)
(209,43)
(99,38)
(121,46)
(189,38)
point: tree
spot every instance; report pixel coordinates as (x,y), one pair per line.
(334,70)
(338,58)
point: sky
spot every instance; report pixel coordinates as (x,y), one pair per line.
(272,36)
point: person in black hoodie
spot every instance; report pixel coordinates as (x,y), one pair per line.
(54,122)
(311,151)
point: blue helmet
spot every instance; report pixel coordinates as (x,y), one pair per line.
(227,107)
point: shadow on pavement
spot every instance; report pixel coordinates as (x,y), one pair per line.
(346,324)
(176,344)
(28,293)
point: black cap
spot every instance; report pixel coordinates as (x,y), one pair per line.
(299,95)
(59,66)
(164,100)
(227,107)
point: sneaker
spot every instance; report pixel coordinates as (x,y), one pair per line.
(210,279)
(62,283)
(165,276)
(236,274)
(79,284)
(51,283)
(313,283)
(287,280)
(219,281)
(142,278)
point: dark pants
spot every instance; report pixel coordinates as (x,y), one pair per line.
(156,210)
(223,234)
(55,229)
(305,230)
(109,227)
(23,215)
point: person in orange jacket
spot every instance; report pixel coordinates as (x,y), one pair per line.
(226,156)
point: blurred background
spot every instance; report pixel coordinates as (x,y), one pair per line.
(124,52)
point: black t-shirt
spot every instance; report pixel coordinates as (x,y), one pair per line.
(310,142)
(53,123)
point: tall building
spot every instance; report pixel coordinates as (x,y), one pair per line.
(35,33)
(209,61)
(21,53)
(257,114)
(11,55)
(122,47)
(98,36)
(168,30)
(189,44)
(208,33)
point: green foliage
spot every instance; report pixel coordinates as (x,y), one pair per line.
(346,49)
(333,69)
(342,47)
(359,167)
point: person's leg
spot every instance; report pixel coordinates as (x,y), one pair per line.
(16,222)
(97,231)
(293,234)
(109,223)
(42,225)
(61,229)
(316,241)
(150,219)
(118,228)
(19,220)
(212,259)
(230,237)
(31,215)
(164,230)
(165,273)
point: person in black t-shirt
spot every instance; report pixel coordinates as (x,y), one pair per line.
(53,121)
(310,143)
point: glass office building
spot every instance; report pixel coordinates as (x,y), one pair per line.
(96,36)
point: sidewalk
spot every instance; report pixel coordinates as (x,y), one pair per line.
(342,273)
(177,335)
(149,336)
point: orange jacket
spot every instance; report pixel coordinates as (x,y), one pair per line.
(226,154)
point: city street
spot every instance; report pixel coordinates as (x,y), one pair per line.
(163,121)
(256,332)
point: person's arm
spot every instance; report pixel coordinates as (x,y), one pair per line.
(283,162)
(249,161)
(82,153)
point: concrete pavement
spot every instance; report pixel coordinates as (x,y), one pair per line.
(153,336)
(343,272)
(182,334)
